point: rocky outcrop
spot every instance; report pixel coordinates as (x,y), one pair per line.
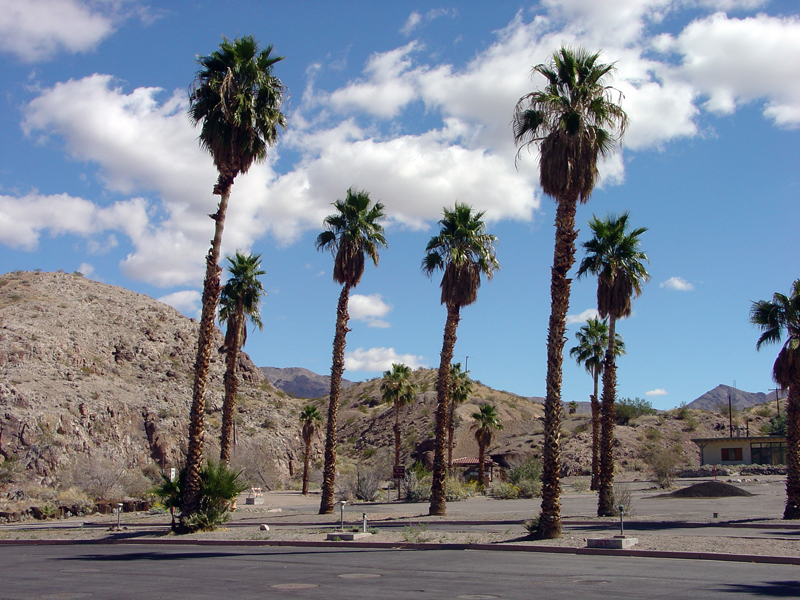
(92,370)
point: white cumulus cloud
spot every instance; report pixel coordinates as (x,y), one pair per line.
(583,317)
(656,392)
(379,359)
(35,30)
(186,301)
(370,309)
(677,283)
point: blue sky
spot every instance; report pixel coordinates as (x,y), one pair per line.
(100,171)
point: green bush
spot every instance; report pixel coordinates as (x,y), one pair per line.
(626,410)
(219,487)
(529,469)
(529,488)
(777,425)
(504,491)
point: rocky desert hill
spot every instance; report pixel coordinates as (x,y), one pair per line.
(299,382)
(366,434)
(93,372)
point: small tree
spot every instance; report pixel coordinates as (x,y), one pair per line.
(486,422)
(310,418)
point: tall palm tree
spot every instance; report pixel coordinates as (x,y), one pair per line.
(463,251)
(592,343)
(398,389)
(614,255)
(310,418)
(573,121)
(238,101)
(485,422)
(774,318)
(351,233)
(460,389)
(239,302)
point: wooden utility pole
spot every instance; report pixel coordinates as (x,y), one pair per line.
(777,401)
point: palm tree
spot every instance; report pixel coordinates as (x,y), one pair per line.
(351,233)
(486,422)
(310,418)
(239,301)
(614,255)
(460,389)
(238,101)
(463,251)
(592,343)
(774,318)
(573,121)
(398,389)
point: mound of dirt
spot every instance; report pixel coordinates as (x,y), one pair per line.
(710,489)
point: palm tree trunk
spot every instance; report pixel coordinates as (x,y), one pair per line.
(563,259)
(306,462)
(231,381)
(792,510)
(397,432)
(438,492)
(605,498)
(481,465)
(339,341)
(451,433)
(595,433)
(211,289)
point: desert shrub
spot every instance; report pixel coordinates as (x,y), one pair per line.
(529,469)
(456,489)
(581,428)
(652,433)
(369,452)
(626,410)
(529,488)
(504,491)
(662,462)
(622,497)
(681,412)
(254,459)
(100,477)
(9,469)
(418,485)
(762,411)
(367,485)
(776,426)
(581,485)
(531,525)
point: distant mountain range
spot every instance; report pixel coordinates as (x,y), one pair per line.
(739,399)
(301,383)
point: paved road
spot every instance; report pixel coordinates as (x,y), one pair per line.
(175,572)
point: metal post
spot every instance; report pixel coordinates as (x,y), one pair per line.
(621,524)
(341,515)
(364,522)
(119,514)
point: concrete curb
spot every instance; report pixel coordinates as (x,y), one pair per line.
(778,560)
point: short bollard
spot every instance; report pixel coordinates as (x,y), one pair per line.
(341,515)
(119,514)
(621,524)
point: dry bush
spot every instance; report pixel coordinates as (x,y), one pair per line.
(663,461)
(254,459)
(101,478)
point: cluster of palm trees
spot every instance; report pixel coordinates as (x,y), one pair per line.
(574,121)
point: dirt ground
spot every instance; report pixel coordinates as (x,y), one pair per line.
(747,525)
